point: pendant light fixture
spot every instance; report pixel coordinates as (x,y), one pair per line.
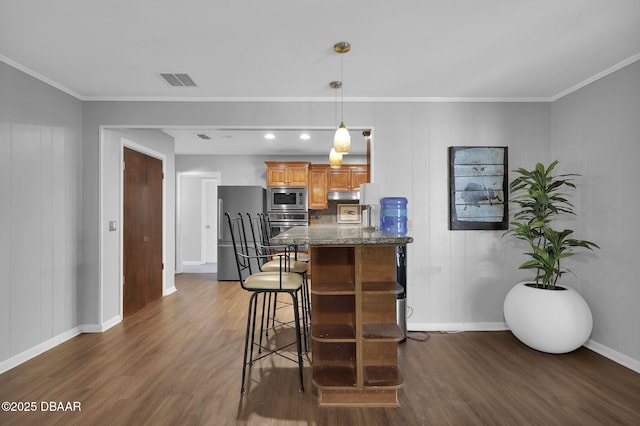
(342,139)
(335,159)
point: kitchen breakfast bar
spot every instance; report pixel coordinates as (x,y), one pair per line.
(354,330)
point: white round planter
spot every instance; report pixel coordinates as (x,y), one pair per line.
(553,321)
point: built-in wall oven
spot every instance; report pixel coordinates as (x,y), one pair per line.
(281,221)
(286,208)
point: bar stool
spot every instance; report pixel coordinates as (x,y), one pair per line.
(271,264)
(264,283)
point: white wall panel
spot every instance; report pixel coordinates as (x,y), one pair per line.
(24,276)
(5,240)
(39,189)
(46,244)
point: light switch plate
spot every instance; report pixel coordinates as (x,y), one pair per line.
(112,225)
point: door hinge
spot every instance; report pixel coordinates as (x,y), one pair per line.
(163,266)
(162,175)
(124,165)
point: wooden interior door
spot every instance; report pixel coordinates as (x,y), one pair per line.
(142,228)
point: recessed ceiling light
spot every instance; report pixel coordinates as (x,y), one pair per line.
(270,136)
(305,136)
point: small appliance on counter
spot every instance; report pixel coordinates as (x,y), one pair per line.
(393,215)
(370,199)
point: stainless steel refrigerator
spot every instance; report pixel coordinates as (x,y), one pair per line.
(234,200)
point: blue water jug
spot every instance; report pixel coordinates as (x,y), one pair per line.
(393,215)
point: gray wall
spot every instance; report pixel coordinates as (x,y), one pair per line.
(40,213)
(596,132)
(457,280)
(150,142)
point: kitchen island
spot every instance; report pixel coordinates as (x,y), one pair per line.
(354,330)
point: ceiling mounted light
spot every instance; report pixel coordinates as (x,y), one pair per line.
(305,136)
(270,136)
(342,139)
(335,159)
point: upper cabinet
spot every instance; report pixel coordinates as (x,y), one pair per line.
(348,177)
(287,173)
(317,192)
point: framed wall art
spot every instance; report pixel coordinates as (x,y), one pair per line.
(478,188)
(349,213)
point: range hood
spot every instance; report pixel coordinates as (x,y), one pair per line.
(343,195)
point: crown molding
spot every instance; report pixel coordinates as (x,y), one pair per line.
(40,77)
(554,98)
(597,77)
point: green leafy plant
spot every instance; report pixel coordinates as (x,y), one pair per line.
(540,198)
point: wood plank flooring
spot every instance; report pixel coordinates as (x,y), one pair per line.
(178,362)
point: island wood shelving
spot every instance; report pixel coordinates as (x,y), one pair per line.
(354,328)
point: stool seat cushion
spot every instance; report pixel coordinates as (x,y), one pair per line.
(271,281)
(301,257)
(293,266)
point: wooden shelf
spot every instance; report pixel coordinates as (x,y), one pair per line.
(354,331)
(335,288)
(382,332)
(333,333)
(334,377)
(383,376)
(382,287)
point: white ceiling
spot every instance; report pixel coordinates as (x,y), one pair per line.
(232,141)
(283,49)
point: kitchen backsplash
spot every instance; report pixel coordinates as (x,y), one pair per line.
(329,215)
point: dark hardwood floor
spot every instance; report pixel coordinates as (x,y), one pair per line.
(178,362)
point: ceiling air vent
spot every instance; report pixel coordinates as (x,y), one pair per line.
(203,136)
(179,80)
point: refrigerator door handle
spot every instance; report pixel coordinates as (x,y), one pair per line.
(220,221)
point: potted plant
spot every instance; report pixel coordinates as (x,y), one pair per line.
(543,315)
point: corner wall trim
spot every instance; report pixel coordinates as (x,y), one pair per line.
(168,291)
(100,328)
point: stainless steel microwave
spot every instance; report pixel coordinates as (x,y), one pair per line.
(287,199)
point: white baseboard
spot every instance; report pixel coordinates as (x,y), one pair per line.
(457,326)
(614,355)
(25,356)
(599,348)
(100,328)
(168,291)
(192,262)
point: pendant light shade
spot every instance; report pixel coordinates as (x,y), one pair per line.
(335,159)
(342,140)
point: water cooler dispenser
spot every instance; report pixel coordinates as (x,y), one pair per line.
(393,218)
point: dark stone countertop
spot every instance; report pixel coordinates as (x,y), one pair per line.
(328,235)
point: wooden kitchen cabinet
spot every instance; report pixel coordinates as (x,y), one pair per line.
(287,173)
(348,177)
(317,192)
